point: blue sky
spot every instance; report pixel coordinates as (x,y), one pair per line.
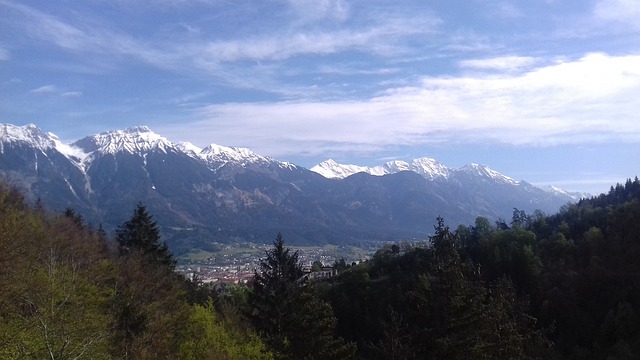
(545,91)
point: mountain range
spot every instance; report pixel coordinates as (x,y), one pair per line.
(218,194)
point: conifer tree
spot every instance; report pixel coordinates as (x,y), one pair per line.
(294,322)
(141,233)
(274,291)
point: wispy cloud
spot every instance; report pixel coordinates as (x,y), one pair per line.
(311,11)
(591,99)
(503,63)
(4,54)
(71,94)
(54,90)
(379,34)
(90,38)
(508,10)
(376,40)
(625,12)
(45,89)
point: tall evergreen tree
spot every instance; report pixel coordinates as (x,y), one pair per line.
(275,289)
(294,322)
(140,233)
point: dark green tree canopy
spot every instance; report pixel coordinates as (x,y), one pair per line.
(140,233)
(290,317)
(274,290)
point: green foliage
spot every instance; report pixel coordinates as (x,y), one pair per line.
(431,303)
(148,300)
(52,298)
(316,266)
(275,289)
(559,286)
(312,334)
(208,338)
(65,295)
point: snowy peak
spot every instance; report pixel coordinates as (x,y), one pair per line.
(222,154)
(332,170)
(576,196)
(28,134)
(219,155)
(137,139)
(427,167)
(395,166)
(188,148)
(484,171)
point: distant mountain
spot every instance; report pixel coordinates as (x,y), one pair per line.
(427,167)
(222,194)
(576,196)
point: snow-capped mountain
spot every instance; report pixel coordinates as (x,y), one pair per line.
(218,193)
(427,167)
(332,170)
(218,154)
(222,154)
(576,196)
(138,139)
(28,135)
(483,171)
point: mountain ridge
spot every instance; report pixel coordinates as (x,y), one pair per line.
(220,193)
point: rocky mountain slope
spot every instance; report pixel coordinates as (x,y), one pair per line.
(222,194)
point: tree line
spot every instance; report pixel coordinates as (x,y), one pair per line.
(560,286)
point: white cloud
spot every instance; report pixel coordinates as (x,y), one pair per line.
(378,40)
(71,94)
(46,89)
(503,63)
(4,54)
(507,10)
(54,90)
(88,39)
(307,11)
(591,99)
(380,35)
(619,11)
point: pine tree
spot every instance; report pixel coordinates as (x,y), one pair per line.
(275,288)
(141,233)
(294,322)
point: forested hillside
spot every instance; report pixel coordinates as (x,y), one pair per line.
(564,286)
(561,286)
(67,292)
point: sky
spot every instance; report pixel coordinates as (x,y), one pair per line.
(545,91)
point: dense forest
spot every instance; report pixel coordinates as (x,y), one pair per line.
(537,286)
(565,286)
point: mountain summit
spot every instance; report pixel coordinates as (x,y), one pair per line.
(429,168)
(202,196)
(28,135)
(137,139)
